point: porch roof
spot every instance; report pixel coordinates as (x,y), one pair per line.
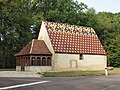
(34,47)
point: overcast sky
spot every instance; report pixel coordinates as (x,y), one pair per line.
(103,5)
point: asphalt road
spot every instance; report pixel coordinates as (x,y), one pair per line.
(62,83)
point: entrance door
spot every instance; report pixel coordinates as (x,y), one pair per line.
(22,68)
(73,63)
(23,64)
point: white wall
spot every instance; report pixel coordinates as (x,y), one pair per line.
(90,62)
(18,68)
(35,68)
(93,62)
(43,35)
(63,60)
(38,68)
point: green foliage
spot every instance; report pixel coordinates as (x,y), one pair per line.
(20,21)
(15,29)
(108,29)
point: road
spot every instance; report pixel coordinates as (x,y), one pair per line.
(62,83)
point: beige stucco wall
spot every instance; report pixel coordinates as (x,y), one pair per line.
(18,68)
(62,61)
(38,68)
(93,62)
(72,62)
(35,68)
(43,35)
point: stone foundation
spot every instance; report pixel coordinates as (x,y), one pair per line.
(35,68)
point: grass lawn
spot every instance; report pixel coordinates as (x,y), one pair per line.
(114,71)
(81,73)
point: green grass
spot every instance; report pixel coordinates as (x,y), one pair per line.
(81,73)
(114,71)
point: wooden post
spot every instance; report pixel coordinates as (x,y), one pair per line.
(106,72)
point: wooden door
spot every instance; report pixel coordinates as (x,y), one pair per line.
(22,68)
(73,63)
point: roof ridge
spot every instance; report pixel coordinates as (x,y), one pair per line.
(68,28)
(65,23)
(69,24)
(31,46)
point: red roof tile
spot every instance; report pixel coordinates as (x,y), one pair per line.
(73,39)
(34,47)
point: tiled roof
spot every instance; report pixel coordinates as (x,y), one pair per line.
(73,39)
(34,47)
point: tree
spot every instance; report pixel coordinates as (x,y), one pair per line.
(65,11)
(17,20)
(108,29)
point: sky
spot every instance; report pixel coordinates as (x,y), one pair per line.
(103,5)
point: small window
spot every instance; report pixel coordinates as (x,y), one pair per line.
(81,57)
(33,63)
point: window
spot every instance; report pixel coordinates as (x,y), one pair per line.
(48,61)
(33,61)
(39,61)
(81,57)
(44,61)
(18,61)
